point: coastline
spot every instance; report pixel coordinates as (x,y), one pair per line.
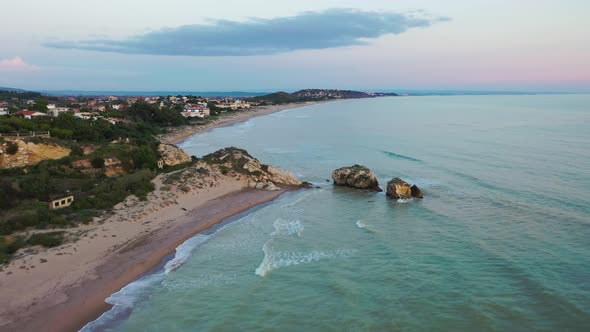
(80,294)
(179,135)
(64,288)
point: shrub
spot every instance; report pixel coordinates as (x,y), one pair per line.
(97,162)
(11,148)
(48,240)
(224,169)
(15,245)
(77,151)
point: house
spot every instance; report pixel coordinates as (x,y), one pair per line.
(61,202)
(29,114)
(116,120)
(84,115)
(3,111)
(195,111)
(56,111)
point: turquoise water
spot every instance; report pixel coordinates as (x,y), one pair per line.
(500,242)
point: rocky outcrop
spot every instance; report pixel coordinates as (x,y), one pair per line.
(30,153)
(416,192)
(260,176)
(400,189)
(356,176)
(173,155)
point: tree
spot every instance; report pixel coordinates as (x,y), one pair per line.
(97,162)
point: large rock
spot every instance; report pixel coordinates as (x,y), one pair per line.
(400,189)
(356,177)
(173,155)
(241,162)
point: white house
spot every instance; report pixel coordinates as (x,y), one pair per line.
(56,111)
(195,111)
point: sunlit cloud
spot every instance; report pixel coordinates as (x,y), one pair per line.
(16,64)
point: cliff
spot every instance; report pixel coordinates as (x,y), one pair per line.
(29,153)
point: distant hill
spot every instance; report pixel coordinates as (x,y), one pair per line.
(3,89)
(315,95)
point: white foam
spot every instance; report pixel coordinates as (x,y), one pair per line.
(287,227)
(401,200)
(360,224)
(183,252)
(124,300)
(132,293)
(275,260)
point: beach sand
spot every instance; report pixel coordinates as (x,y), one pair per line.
(177,135)
(63,288)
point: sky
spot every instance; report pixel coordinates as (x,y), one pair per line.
(261,45)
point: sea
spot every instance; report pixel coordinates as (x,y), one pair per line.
(500,242)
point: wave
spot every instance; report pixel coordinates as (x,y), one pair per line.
(288,227)
(183,252)
(279,259)
(400,156)
(123,301)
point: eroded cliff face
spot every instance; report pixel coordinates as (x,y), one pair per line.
(260,176)
(173,155)
(30,153)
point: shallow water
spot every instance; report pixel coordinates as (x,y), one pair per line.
(500,242)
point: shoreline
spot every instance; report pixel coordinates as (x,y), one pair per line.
(179,135)
(64,288)
(85,301)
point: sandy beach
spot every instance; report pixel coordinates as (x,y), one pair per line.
(63,288)
(177,135)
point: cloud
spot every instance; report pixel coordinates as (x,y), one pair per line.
(16,64)
(310,30)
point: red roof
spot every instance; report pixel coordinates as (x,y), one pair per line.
(27,112)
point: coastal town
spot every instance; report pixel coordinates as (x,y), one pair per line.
(112,108)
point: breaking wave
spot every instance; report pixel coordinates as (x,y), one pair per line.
(278,259)
(183,252)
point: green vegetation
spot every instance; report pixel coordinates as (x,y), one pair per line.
(48,240)
(26,192)
(11,148)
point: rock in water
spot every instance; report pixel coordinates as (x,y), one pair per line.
(356,177)
(416,192)
(400,189)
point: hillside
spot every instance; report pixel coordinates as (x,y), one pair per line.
(315,95)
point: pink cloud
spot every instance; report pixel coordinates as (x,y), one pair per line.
(16,64)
